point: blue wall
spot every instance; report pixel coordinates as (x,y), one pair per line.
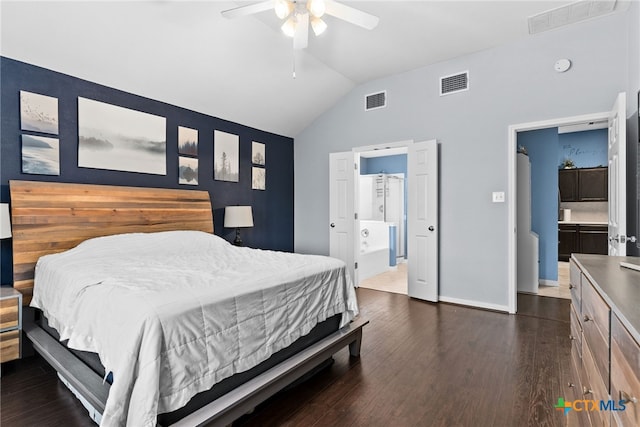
(384,164)
(587,149)
(542,146)
(272,208)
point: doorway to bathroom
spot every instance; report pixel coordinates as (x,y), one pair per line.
(382,234)
(422,208)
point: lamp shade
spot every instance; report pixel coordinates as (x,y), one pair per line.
(238,216)
(5,223)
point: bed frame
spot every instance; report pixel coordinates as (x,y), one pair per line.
(50,217)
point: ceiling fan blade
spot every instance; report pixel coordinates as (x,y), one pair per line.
(248,9)
(349,14)
(301,36)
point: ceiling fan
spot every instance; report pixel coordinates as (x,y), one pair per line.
(298,14)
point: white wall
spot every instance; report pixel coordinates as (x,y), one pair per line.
(509,84)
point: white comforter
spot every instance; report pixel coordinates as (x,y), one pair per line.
(172,313)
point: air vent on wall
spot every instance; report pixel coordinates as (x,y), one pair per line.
(454,83)
(375,101)
(569,14)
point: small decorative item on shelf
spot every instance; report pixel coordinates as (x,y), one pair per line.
(522,150)
(567,164)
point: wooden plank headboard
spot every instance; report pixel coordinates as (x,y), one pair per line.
(50,217)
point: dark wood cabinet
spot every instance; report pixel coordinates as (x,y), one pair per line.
(593,184)
(568,185)
(583,239)
(567,241)
(593,239)
(583,185)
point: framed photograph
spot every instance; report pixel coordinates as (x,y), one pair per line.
(38,113)
(226,157)
(117,138)
(257,153)
(188,170)
(40,155)
(258,179)
(187,141)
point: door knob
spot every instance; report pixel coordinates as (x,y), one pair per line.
(333,225)
(431,228)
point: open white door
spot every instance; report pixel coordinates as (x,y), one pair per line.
(341,209)
(422,220)
(617,177)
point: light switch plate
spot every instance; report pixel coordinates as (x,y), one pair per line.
(498,197)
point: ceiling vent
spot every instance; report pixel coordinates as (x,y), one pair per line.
(375,100)
(569,14)
(454,83)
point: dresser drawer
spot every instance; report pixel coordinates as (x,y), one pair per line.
(625,373)
(9,345)
(576,334)
(595,307)
(594,389)
(595,327)
(575,278)
(9,313)
(574,393)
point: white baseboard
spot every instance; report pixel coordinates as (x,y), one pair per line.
(475,304)
(548,283)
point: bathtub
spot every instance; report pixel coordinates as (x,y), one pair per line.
(373,258)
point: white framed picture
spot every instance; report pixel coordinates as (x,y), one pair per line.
(38,113)
(258,179)
(188,170)
(226,157)
(118,138)
(257,153)
(40,155)
(187,141)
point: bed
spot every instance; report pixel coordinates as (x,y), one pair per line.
(178,348)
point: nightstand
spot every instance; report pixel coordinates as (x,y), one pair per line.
(10,324)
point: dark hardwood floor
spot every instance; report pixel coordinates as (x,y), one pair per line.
(422,364)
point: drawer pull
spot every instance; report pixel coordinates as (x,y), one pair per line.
(586,391)
(571,286)
(572,338)
(571,385)
(587,318)
(627,399)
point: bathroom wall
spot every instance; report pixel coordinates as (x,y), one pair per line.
(388,164)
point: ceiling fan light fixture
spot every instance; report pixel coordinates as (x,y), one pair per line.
(318,26)
(289,27)
(317,8)
(283,8)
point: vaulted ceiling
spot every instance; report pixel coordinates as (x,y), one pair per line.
(185,53)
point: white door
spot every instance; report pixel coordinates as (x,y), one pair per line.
(422,220)
(341,209)
(617,177)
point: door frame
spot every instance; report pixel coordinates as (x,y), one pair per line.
(356,202)
(512,245)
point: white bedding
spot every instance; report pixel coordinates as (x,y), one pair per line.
(172,313)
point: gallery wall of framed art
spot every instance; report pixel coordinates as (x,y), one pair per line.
(54,127)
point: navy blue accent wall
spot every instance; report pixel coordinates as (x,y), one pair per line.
(272,208)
